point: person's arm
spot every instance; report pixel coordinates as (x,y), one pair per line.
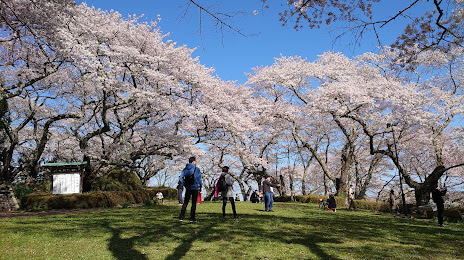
(274,185)
(181,178)
(200,182)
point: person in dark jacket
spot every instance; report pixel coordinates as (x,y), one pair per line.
(268,195)
(437,196)
(180,190)
(254,198)
(228,194)
(332,204)
(191,191)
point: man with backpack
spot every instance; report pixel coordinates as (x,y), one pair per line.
(190,178)
(225,186)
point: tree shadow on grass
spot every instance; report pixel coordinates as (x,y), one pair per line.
(122,248)
(152,227)
(186,244)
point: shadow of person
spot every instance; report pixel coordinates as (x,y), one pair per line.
(123,248)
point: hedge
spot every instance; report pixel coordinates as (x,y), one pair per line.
(341,202)
(94,199)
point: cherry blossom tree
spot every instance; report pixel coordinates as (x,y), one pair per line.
(113,87)
(427,23)
(424,117)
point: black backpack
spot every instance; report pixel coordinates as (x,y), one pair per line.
(222,185)
(190,179)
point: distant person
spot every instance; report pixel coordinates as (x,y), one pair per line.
(160,197)
(322,204)
(392,202)
(180,190)
(268,196)
(331,203)
(437,196)
(228,193)
(351,198)
(261,197)
(191,180)
(254,198)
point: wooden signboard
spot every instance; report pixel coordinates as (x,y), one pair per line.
(66,177)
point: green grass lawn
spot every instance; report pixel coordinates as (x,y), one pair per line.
(292,231)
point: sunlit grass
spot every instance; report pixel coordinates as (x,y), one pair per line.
(292,231)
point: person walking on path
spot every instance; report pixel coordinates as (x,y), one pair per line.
(180,190)
(351,198)
(437,196)
(268,196)
(228,193)
(190,178)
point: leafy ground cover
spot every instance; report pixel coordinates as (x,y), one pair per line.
(292,231)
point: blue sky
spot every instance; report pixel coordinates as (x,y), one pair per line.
(232,54)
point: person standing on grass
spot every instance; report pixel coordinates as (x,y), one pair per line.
(392,202)
(351,198)
(191,180)
(268,195)
(228,193)
(180,190)
(437,196)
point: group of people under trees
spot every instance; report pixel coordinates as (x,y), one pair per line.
(191,179)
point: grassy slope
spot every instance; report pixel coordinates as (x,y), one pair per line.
(293,231)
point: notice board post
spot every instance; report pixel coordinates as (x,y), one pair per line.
(66,178)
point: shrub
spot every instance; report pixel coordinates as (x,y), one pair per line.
(126,204)
(168,193)
(94,199)
(341,202)
(117,180)
(20,190)
(372,205)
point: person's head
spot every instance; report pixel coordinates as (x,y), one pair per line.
(225,168)
(192,159)
(268,178)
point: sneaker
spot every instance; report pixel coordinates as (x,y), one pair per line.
(441,225)
(181,219)
(193,220)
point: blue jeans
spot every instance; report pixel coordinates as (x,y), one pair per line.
(268,200)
